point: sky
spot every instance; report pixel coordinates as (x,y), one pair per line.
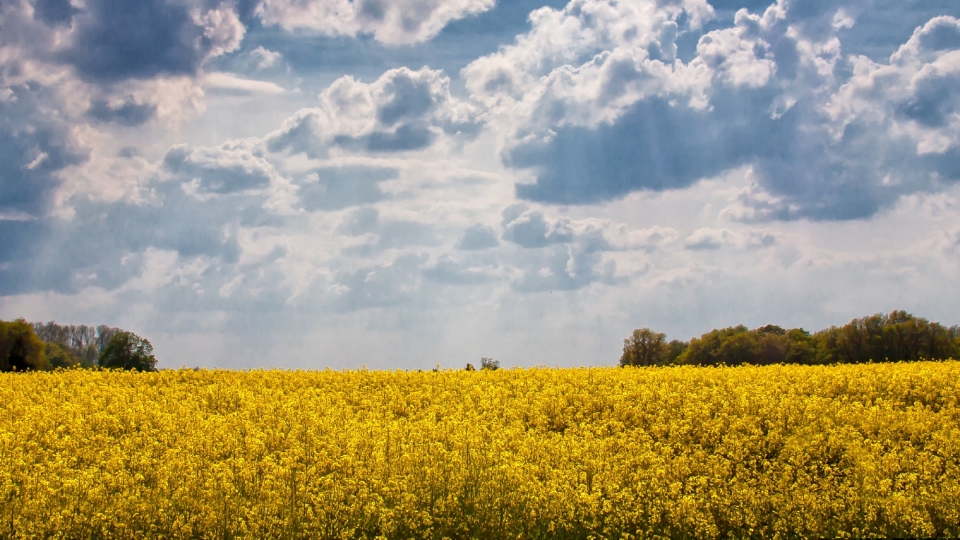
(406,183)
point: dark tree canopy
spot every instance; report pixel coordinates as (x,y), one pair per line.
(897,337)
(644,348)
(127,350)
(20,348)
(59,356)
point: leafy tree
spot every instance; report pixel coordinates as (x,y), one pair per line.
(20,348)
(705,350)
(895,337)
(643,348)
(59,356)
(739,348)
(673,350)
(771,349)
(487,363)
(127,350)
(801,348)
(85,343)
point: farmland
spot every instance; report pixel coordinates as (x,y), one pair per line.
(809,451)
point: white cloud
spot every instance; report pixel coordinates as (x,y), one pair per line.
(230,83)
(265,58)
(401,110)
(222,30)
(739,56)
(915,95)
(712,238)
(231,167)
(640,37)
(395,22)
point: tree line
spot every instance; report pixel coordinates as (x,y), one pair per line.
(28,346)
(895,337)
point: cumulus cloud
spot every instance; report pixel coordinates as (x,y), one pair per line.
(128,113)
(401,110)
(114,39)
(35,146)
(449,270)
(915,95)
(265,58)
(564,39)
(565,268)
(595,101)
(478,237)
(394,22)
(710,238)
(335,188)
(561,253)
(229,168)
(54,12)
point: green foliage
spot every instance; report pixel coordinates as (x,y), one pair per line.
(59,356)
(897,337)
(127,350)
(673,350)
(644,348)
(20,348)
(85,343)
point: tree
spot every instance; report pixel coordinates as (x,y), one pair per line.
(127,350)
(706,350)
(487,363)
(643,348)
(20,348)
(771,349)
(59,356)
(738,349)
(85,343)
(673,350)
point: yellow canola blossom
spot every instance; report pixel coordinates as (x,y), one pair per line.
(764,452)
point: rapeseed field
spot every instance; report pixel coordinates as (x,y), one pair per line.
(763,452)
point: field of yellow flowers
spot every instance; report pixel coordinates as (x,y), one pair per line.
(779,451)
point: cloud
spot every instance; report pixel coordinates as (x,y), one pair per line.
(229,168)
(448,270)
(914,96)
(384,233)
(35,146)
(335,188)
(565,268)
(227,83)
(402,110)
(395,22)
(129,113)
(650,239)
(379,285)
(564,254)
(613,110)
(115,39)
(530,229)
(265,58)
(710,238)
(478,237)
(569,39)
(54,12)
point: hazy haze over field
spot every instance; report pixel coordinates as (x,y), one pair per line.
(401,183)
